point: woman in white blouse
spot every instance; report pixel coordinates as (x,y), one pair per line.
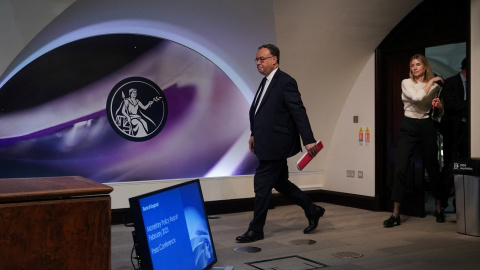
(419,96)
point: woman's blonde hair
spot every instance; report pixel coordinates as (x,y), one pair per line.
(428,70)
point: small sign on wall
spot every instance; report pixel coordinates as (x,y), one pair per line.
(364,138)
(367,137)
(360,136)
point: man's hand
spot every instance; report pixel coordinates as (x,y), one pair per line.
(312,149)
(250,144)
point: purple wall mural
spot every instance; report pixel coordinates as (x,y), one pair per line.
(53,96)
(54,121)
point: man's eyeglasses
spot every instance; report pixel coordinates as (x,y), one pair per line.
(262,59)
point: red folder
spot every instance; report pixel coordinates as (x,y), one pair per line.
(306,158)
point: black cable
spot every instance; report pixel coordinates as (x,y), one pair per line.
(131,257)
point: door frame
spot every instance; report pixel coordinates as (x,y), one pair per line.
(435,22)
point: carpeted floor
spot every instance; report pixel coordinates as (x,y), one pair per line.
(347,238)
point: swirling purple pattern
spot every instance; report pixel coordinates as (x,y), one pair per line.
(56,124)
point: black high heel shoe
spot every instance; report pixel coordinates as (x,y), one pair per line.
(392,221)
(440,216)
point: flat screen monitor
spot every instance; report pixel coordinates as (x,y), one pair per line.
(172,230)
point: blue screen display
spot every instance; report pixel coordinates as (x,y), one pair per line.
(176,229)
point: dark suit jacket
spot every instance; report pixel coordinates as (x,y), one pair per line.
(280,120)
(453,98)
(455,138)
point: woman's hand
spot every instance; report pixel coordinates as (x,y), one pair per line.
(436,79)
(437,104)
(430,83)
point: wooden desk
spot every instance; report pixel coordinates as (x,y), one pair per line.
(55,223)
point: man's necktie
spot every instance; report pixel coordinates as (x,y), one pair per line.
(257,100)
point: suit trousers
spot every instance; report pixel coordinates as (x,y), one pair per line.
(455,146)
(423,133)
(274,174)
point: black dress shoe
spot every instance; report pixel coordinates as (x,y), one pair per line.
(392,221)
(440,216)
(313,220)
(250,236)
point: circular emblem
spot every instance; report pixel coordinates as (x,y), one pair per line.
(137,109)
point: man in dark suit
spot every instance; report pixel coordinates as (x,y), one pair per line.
(277,121)
(454,125)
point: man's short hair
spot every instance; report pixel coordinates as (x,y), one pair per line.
(464,63)
(274,50)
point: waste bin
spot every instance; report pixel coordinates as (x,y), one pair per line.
(467,195)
